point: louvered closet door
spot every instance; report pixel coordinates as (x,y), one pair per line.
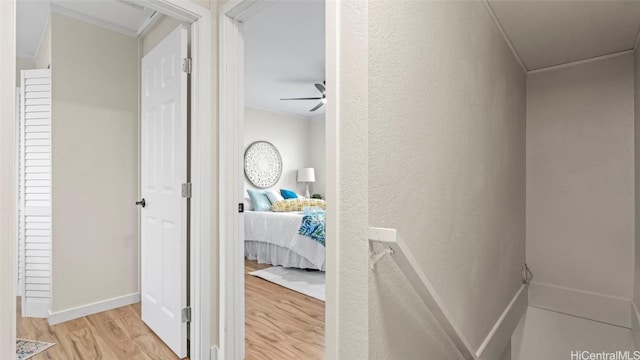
(35,200)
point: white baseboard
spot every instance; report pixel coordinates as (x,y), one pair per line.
(635,324)
(499,337)
(607,309)
(80,311)
(36,310)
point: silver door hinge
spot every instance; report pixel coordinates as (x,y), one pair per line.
(186,190)
(186,65)
(186,314)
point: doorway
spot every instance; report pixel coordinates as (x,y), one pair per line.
(199,20)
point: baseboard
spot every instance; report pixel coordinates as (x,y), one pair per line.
(80,311)
(36,310)
(635,324)
(499,337)
(607,309)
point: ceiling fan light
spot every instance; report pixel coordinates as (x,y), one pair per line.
(324,101)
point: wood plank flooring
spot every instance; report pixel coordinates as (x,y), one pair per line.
(117,334)
(280,324)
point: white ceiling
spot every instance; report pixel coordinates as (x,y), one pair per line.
(117,15)
(284,57)
(547,33)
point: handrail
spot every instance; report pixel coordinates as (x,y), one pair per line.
(411,269)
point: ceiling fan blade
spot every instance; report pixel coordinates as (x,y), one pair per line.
(317,106)
(320,87)
(313,98)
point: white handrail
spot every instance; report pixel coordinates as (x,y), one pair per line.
(411,269)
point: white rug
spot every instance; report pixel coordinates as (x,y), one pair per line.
(25,349)
(310,283)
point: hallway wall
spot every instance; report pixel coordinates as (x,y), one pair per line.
(446,169)
(580,186)
(94,163)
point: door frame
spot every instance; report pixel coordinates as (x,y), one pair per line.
(199,19)
(231,120)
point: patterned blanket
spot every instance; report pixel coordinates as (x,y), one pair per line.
(313,226)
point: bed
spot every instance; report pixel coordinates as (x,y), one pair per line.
(273,238)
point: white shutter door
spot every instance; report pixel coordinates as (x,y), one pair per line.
(36,199)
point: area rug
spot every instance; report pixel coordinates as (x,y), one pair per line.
(310,283)
(28,348)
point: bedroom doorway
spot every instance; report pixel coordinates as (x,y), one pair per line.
(272,114)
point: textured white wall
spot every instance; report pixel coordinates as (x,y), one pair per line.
(446,168)
(94,164)
(23,64)
(580,177)
(289,134)
(8,169)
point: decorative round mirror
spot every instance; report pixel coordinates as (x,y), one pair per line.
(262,164)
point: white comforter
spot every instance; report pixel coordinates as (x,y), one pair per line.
(281,229)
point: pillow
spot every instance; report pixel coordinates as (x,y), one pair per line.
(288,194)
(297,204)
(273,196)
(259,200)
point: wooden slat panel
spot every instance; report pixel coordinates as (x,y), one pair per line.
(39,273)
(38,101)
(37,267)
(37,81)
(31,88)
(33,156)
(36,194)
(38,294)
(38,142)
(38,116)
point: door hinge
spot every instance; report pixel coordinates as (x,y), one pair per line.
(186,65)
(186,190)
(186,314)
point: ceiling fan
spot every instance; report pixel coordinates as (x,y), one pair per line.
(323,99)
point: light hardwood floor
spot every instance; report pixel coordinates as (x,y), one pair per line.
(281,324)
(117,334)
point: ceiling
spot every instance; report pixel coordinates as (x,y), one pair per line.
(284,57)
(548,33)
(118,15)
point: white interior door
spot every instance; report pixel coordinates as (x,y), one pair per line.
(164,170)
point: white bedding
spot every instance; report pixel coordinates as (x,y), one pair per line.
(280,229)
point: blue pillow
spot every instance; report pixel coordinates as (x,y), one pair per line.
(259,200)
(288,194)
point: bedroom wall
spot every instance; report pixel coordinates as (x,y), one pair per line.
(318,154)
(94,164)
(289,134)
(580,179)
(446,169)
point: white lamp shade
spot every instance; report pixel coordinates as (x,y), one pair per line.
(306,175)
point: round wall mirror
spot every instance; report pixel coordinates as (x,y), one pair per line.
(262,164)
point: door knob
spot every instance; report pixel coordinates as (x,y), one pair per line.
(141,203)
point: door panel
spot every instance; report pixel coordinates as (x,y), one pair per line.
(164,170)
